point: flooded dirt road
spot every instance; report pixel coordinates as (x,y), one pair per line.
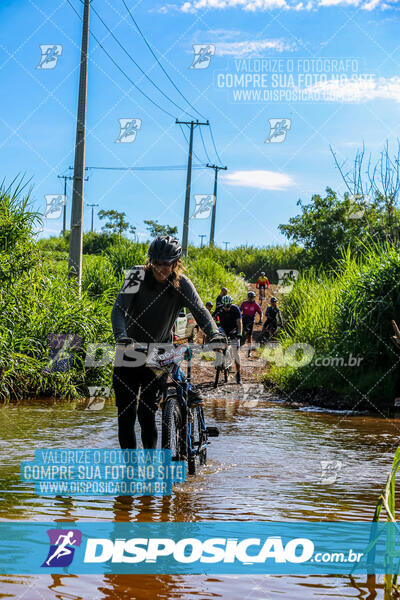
(269,464)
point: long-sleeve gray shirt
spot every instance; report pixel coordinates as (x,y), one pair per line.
(149,315)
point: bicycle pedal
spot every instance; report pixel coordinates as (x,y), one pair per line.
(213,431)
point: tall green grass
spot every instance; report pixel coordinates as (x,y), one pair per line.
(249,261)
(36,300)
(343,313)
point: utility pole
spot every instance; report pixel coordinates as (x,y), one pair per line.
(185,234)
(76,237)
(203,235)
(92,205)
(226,245)
(214,209)
(65,177)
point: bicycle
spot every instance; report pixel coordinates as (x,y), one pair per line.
(268,333)
(224,361)
(261,293)
(184,430)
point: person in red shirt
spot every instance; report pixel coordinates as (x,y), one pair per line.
(249,308)
(262,283)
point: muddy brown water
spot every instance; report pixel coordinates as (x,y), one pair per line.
(266,466)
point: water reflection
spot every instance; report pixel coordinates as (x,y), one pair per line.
(266,465)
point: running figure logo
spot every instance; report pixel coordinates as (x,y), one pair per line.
(286,280)
(202,55)
(203,206)
(61,551)
(128,130)
(358,204)
(133,279)
(50,55)
(278,129)
(330,470)
(54,205)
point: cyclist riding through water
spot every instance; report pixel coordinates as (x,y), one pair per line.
(249,308)
(230,324)
(147,316)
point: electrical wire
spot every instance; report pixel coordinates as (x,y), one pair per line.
(158,62)
(137,65)
(204,146)
(122,70)
(159,89)
(215,147)
(187,141)
(149,168)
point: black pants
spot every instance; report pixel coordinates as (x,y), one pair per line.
(127,382)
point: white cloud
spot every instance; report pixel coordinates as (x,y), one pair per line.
(359,90)
(262,180)
(339,2)
(252,48)
(193,6)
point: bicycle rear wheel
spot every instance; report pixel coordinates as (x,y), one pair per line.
(173,428)
(197,452)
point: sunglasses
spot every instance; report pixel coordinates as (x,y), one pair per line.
(160,264)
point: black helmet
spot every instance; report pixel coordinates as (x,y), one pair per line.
(251,294)
(165,248)
(273,299)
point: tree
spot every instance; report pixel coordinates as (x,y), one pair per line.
(156,229)
(378,183)
(329,224)
(116,221)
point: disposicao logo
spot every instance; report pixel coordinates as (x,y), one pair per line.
(190,550)
(62,542)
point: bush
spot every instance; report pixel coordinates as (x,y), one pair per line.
(208,278)
(125,254)
(17,249)
(349,312)
(249,261)
(98,277)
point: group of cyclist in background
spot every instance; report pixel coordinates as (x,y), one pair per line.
(237,322)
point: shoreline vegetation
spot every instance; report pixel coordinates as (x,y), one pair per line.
(342,309)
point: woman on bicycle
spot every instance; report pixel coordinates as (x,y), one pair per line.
(145,314)
(249,308)
(273,320)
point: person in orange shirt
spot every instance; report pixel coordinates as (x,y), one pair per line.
(262,283)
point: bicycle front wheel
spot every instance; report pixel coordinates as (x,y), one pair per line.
(173,431)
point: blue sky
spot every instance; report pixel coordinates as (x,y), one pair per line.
(356,39)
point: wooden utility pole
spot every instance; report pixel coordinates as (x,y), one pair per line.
(76,237)
(92,205)
(65,177)
(185,233)
(214,209)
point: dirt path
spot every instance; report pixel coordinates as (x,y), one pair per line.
(251,369)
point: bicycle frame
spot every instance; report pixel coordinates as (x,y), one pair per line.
(187,436)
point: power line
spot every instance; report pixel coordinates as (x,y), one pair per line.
(187,141)
(158,62)
(149,168)
(204,146)
(122,70)
(137,65)
(215,147)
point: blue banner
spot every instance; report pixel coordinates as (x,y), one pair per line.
(207,547)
